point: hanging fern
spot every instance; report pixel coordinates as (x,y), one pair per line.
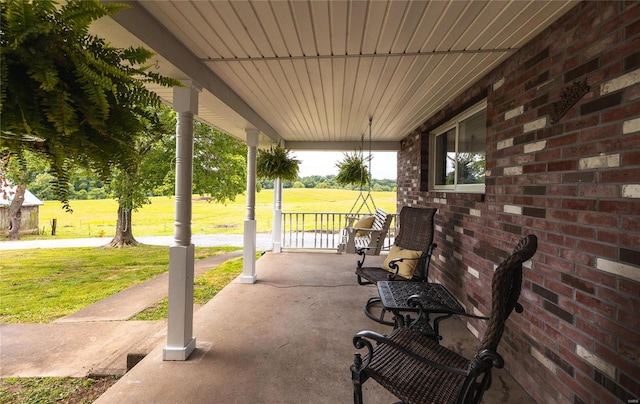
(276,162)
(66,94)
(353,170)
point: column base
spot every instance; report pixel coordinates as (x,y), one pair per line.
(248,279)
(170,353)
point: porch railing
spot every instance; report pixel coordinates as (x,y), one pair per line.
(320,230)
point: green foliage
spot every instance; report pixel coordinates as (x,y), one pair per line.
(277,162)
(205,288)
(52,389)
(68,95)
(353,170)
(94,217)
(219,164)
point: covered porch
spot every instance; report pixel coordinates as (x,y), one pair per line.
(286,339)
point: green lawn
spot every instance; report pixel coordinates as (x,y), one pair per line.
(40,285)
(97,218)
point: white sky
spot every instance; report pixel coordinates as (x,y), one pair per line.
(383,164)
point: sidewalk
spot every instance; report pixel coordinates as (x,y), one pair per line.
(95,340)
(263,241)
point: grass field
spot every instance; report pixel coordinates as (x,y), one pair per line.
(40,285)
(97,218)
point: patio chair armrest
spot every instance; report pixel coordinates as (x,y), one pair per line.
(488,357)
(362,340)
(393,264)
(416,301)
(363,253)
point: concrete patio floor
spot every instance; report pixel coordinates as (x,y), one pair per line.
(285,339)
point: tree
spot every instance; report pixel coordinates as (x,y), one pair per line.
(68,95)
(130,185)
(219,169)
(219,164)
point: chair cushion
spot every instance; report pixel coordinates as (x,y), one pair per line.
(365,222)
(407,267)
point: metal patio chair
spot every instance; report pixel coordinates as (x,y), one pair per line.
(416,233)
(416,369)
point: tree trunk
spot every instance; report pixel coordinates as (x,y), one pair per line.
(124,233)
(15,212)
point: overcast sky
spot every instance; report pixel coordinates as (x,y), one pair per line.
(383,164)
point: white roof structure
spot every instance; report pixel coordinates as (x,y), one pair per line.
(7,193)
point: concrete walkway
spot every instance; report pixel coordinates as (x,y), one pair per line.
(95,340)
(285,339)
(263,241)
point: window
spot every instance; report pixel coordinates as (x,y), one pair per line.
(458,152)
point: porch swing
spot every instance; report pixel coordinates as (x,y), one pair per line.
(367,230)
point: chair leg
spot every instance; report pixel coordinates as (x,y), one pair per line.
(367,310)
(357,379)
(361,282)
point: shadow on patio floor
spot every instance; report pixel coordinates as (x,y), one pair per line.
(285,339)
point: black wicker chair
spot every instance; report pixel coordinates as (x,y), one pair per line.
(416,233)
(416,369)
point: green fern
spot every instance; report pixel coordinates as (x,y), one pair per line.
(276,162)
(66,94)
(353,170)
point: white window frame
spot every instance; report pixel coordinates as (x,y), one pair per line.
(452,124)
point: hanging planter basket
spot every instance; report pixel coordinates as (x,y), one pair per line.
(277,162)
(353,170)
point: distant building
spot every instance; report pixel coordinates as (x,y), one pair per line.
(30,210)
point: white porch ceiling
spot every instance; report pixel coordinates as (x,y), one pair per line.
(313,72)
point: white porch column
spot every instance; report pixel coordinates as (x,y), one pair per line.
(180,340)
(249,266)
(277,216)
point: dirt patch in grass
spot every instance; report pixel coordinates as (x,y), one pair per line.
(66,390)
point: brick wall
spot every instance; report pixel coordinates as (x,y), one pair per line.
(574,181)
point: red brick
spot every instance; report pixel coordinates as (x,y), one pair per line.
(579,204)
(628,287)
(595,276)
(620,113)
(579,390)
(603,335)
(576,335)
(622,207)
(599,191)
(561,141)
(597,132)
(562,215)
(568,165)
(629,319)
(598,392)
(598,219)
(595,304)
(598,249)
(619,143)
(630,158)
(578,231)
(630,224)
(576,256)
(559,287)
(613,358)
(630,351)
(561,240)
(630,382)
(618,298)
(621,331)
